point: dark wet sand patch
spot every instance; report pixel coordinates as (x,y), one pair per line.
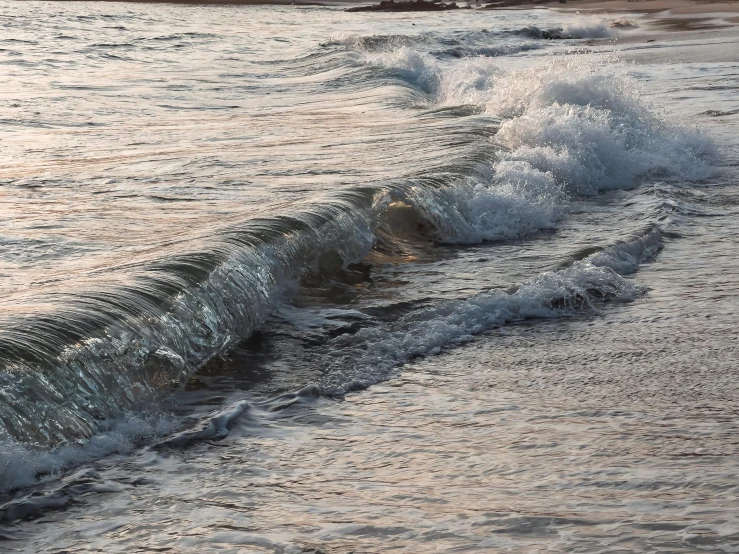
(688,23)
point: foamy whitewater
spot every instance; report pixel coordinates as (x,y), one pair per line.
(456,281)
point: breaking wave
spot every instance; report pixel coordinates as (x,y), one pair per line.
(352,362)
(564,128)
(567,126)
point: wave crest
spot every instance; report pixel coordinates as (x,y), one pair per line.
(586,126)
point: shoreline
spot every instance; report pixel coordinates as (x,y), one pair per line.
(676,7)
(666,15)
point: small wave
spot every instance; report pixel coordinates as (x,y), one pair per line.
(38,503)
(388,43)
(489,51)
(719,113)
(578,28)
(374,43)
(180,36)
(217,426)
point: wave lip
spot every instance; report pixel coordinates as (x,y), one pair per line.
(113,350)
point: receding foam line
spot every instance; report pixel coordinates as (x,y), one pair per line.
(377,351)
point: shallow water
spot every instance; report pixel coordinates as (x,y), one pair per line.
(273,284)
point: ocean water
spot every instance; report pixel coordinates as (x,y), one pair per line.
(291,279)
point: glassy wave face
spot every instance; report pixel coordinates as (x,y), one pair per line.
(167,194)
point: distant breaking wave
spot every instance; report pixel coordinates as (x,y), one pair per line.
(490,51)
(581,27)
(577,28)
(373,43)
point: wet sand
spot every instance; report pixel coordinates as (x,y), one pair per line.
(668,15)
(676,7)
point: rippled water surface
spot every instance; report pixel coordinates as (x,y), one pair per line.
(291,279)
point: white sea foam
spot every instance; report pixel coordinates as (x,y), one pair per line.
(548,295)
(24,466)
(568,127)
(511,204)
(586,125)
(572,125)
